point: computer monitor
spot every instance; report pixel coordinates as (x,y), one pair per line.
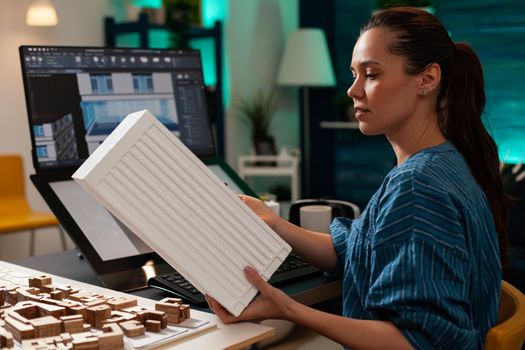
(76,96)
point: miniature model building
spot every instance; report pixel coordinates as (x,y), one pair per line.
(42,316)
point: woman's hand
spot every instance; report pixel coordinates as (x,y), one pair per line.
(272,303)
(261,210)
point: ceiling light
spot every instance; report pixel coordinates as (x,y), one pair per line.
(41,13)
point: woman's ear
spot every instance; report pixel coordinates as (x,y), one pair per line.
(430,79)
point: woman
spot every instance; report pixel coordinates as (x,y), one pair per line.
(421,265)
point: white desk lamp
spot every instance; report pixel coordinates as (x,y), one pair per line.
(306,63)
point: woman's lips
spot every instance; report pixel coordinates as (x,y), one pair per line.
(360,112)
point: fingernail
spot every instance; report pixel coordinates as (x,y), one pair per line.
(250,271)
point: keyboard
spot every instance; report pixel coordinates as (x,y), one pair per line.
(292,268)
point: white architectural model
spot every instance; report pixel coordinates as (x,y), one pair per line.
(156,186)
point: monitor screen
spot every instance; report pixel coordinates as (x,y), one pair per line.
(110,238)
(77,95)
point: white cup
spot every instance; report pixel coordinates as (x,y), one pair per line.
(316,218)
(274,206)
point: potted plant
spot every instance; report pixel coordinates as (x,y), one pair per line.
(258,113)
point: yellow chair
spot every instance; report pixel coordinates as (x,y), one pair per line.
(15,212)
(509,333)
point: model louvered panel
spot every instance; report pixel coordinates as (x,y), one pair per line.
(148,179)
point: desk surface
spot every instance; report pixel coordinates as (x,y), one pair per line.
(213,335)
(68,264)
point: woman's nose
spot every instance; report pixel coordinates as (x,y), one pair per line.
(354,91)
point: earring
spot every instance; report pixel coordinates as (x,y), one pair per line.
(423,92)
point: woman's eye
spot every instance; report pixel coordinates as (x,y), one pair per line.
(371,75)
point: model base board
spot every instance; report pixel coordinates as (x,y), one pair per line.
(36,314)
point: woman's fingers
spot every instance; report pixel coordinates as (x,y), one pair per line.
(246,198)
(220,311)
(259,308)
(207,297)
(256,279)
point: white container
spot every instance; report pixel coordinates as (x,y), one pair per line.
(316,218)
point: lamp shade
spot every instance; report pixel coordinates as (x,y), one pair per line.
(306,60)
(41,13)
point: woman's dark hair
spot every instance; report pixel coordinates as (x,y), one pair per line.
(422,40)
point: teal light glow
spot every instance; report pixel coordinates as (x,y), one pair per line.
(511,151)
(216,10)
(159,39)
(206,48)
(128,40)
(156,4)
(496,33)
(213,10)
(505,105)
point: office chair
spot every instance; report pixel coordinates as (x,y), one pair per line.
(509,333)
(339,209)
(15,212)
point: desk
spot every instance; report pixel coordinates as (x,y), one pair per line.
(308,291)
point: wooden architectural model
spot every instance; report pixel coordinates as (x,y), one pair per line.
(42,316)
(177,311)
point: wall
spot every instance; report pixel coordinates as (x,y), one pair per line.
(496,30)
(255,37)
(80,23)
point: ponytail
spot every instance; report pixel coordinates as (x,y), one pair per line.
(461,123)
(422,40)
